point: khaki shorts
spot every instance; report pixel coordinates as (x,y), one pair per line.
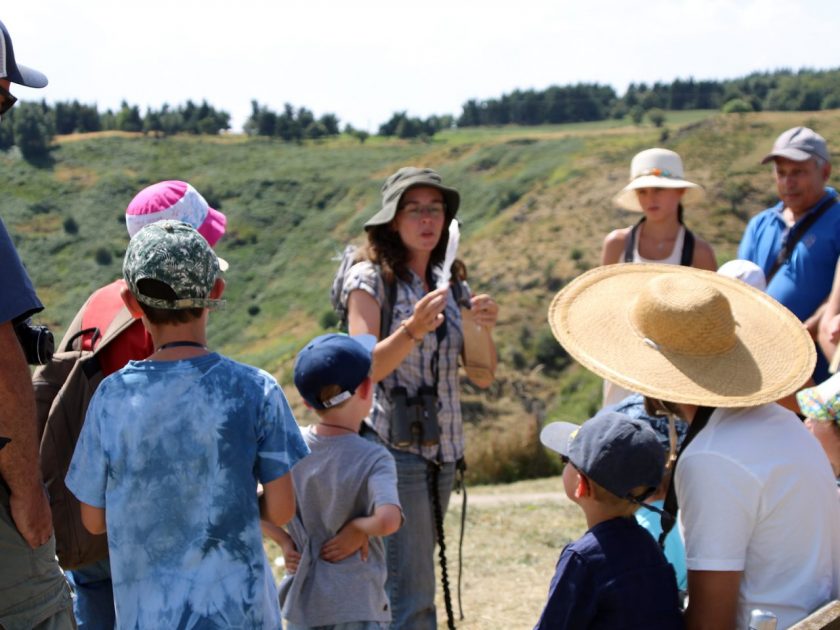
(33,591)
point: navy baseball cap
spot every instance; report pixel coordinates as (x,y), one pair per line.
(616,451)
(11,70)
(333,359)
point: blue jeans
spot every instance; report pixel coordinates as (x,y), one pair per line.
(93,600)
(410,552)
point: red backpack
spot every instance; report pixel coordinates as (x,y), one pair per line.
(63,390)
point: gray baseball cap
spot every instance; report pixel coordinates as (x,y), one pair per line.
(799,144)
(405,178)
(616,451)
(174,253)
(11,70)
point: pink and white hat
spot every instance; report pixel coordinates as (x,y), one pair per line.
(176,200)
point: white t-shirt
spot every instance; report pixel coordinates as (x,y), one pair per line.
(757,495)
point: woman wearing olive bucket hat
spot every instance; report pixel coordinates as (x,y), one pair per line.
(757,498)
(416,369)
(657,188)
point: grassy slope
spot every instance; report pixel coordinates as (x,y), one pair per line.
(536,207)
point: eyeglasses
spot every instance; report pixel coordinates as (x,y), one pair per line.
(416,211)
(9,100)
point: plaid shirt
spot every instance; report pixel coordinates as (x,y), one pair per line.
(415,370)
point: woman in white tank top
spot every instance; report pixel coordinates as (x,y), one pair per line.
(657,188)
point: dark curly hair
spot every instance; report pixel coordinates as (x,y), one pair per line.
(386,249)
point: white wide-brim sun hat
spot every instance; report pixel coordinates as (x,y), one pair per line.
(656,168)
(682,335)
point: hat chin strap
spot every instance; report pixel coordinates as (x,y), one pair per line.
(666,518)
(672,441)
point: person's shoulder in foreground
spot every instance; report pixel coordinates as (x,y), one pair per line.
(33,590)
(615,576)
(765,494)
(173,448)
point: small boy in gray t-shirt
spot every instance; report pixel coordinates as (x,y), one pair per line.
(346,493)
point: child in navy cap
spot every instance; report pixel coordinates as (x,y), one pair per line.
(615,575)
(346,493)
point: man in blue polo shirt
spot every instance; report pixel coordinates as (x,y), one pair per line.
(33,592)
(802,282)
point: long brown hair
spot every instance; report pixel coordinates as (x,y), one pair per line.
(386,249)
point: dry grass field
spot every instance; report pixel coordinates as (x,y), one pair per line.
(514,535)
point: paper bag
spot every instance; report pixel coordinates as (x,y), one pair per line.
(477,350)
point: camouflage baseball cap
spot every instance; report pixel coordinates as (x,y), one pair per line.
(174,253)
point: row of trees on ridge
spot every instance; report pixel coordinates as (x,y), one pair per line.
(31,126)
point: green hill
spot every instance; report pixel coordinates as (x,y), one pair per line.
(536,205)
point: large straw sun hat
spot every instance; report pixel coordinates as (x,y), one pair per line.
(655,168)
(682,335)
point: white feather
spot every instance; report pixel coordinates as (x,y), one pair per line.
(449,258)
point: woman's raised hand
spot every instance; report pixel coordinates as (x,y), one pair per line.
(485,310)
(428,313)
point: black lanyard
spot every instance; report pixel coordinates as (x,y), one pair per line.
(181,344)
(795,234)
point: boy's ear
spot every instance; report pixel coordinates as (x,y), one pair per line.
(365,388)
(583,488)
(131,303)
(218,289)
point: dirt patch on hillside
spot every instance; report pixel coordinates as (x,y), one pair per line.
(80,175)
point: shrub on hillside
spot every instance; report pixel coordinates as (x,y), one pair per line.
(504,457)
(33,130)
(103,257)
(656,116)
(550,353)
(70,226)
(736,106)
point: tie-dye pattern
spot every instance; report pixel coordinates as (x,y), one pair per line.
(173,452)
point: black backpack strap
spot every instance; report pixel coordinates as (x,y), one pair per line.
(796,233)
(688,249)
(701,419)
(630,242)
(95,333)
(386,313)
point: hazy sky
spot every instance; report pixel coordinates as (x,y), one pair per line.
(363,60)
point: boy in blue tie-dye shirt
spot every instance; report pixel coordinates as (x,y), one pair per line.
(172,450)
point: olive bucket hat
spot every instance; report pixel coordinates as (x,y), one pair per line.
(409,177)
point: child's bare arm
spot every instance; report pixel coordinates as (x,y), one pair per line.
(93,518)
(291,555)
(385,520)
(277,503)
